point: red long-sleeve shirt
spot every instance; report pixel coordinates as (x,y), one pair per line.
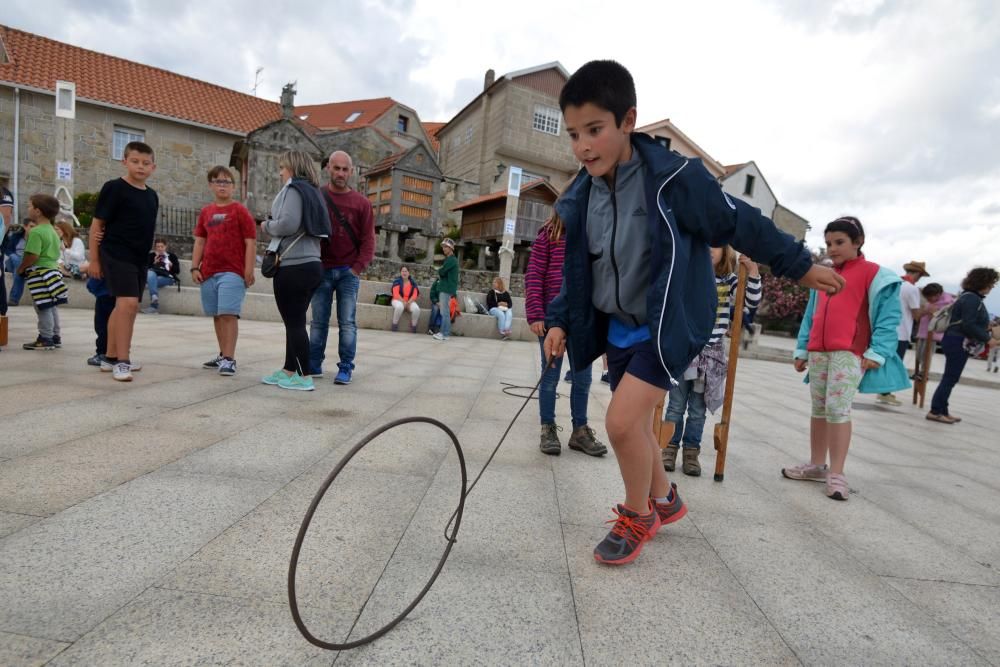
(339,249)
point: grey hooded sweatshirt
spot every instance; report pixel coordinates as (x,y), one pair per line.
(617,233)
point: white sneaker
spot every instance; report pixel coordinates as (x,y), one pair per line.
(107,367)
(888,399)
(123,372)
(438,336)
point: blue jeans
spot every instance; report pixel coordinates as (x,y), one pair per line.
(345,284)
(680,398)
(955,358)
(504,318)
(154,282)
(17,286)
(578,396)
(444,303)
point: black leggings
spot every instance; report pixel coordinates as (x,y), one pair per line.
(293,290)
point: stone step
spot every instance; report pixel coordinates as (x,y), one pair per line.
(366,292)
(261,306)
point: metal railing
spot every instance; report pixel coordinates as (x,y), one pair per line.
(174,221)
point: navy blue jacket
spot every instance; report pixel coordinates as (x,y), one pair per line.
(688,212)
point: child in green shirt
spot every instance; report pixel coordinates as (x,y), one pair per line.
(40,268)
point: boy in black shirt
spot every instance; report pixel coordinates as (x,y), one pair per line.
(120,239)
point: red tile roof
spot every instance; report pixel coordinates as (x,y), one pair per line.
(386,163)
(431,128)
(38,62)
(333,116)
(500,194)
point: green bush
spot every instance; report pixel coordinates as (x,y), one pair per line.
(84,205)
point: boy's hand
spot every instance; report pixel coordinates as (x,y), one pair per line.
(555,343)
(823,279)
(249,278)
(800,365)
(537,328)
(94,270)
(753,270)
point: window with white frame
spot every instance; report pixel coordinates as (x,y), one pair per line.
(65,99)
(124,135)
(546,119)
(468,134)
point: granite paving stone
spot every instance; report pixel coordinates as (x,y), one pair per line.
(152,522)
(63,575)
(25,651)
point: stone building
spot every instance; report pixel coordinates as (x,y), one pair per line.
(395,121)
(515,121)
(739,180)
(670,137)
(404,190)
(66,113)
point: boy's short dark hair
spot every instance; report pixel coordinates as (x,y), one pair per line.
(849,225)
(138,147)
(603,83)
(932,289)
(219,170)
(47,204)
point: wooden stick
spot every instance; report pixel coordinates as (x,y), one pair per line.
(735,333)
(920,382)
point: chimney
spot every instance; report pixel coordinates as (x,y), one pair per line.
(288,100)
(489,79)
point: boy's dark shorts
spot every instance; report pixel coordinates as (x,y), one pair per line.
(123,278)
(640,361)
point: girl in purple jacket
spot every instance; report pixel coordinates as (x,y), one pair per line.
(542,281)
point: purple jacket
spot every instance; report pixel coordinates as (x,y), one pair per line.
(543,278)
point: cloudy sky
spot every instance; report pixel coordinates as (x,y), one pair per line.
(885,109)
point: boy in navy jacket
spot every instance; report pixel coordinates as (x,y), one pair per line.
(639,222)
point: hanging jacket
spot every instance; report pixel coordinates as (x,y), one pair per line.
(884,314)
(686,211)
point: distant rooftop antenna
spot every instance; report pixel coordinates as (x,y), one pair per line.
(256,80)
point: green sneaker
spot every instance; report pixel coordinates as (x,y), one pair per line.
(274,378)
(296,382)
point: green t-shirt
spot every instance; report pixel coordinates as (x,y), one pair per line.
(44,242)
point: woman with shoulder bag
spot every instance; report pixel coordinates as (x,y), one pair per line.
(298,221)
(969,320)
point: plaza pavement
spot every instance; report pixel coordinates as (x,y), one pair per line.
(151,522)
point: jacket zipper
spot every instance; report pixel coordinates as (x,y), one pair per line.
(670,273)
(614,261)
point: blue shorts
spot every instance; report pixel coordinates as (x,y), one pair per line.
(222,294)
(640,361)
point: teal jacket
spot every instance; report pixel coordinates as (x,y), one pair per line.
(885,313)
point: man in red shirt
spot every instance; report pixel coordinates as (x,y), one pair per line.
(223,262)
(345,255)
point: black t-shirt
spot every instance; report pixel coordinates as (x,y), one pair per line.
(129,216)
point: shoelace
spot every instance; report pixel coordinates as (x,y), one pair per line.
(630,528)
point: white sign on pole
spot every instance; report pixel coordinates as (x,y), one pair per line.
(514,182)
(64,171)
(509,226)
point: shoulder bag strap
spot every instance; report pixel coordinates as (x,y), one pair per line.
(290,246)
(342,220)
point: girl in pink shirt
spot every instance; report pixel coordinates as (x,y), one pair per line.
(936,299)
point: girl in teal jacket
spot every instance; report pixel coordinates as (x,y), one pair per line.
(849,343)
